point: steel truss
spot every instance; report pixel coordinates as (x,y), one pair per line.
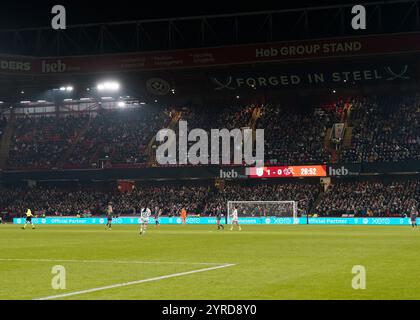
(206,31)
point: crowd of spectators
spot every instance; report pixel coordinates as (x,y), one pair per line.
(119,136)
(3,124)
(385,130)
(42,141)
(228,117)
(295,138)
(362,198)
(196,199)
(378,198)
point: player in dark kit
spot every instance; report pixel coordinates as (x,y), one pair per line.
(413,217)
(109,213)
(219,218)
(158,213)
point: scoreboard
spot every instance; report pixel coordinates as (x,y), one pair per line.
(287,171)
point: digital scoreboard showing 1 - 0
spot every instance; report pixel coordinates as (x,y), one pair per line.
(287,171)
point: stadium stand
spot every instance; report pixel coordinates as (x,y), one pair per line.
(197,199)
(363,198)
(386,129)
(39,142)
(3,124)
(370,198)
(121,136)
(295,138)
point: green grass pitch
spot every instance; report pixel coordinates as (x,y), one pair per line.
(269,262)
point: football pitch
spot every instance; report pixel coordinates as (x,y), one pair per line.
(200,262)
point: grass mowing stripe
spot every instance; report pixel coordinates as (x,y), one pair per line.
(134,282)
(111,261)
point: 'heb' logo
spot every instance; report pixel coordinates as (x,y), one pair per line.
(232,174)
(339,171)
(53,67)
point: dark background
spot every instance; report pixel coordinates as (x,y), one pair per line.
(37,13)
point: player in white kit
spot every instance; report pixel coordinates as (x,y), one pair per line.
(235,219)
(144,217)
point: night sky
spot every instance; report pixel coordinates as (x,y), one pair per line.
(36,13)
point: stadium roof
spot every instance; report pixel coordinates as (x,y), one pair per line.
(201,27)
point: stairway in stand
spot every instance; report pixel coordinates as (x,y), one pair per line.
(256,114)
(73,143)
(150,151)
(348,136)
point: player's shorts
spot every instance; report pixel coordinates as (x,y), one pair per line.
(157,220)
(144,220)
(29,219)
(235,220)
(413,220)
(109,219)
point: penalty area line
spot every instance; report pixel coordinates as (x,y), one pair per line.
(119,285)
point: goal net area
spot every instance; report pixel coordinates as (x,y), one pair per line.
(263,208)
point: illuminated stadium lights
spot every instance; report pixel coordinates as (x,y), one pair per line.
(106,98)
(121,104)
(41,101)
(84,99)
(25,102)
(64,88)
(143,103)
(67,100)
(108,86)
(22,92)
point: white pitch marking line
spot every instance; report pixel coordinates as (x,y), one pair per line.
(134,282)
(112,261)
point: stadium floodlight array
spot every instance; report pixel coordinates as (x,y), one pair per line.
(263,208)
(108,86)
